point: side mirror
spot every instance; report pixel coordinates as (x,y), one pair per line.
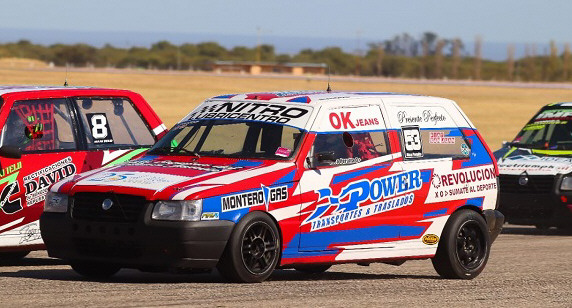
(9,151)
(325,156)
(318,158)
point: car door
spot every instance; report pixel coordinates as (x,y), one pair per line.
(349,156)
(44,131)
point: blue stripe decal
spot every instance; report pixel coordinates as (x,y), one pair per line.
(302,99)
(439,212)
(426,176)
(323,240)
(355,174)
(478,202)
(479,155)
(287,178)
(247,163)
(225,96)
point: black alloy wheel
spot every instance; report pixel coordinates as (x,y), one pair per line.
(259,248)
(253,249)
(464,246)
(471,246)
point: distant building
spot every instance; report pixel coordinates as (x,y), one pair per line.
(256,68)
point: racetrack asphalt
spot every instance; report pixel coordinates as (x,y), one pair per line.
(527,267)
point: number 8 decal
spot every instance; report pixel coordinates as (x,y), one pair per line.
(99,126)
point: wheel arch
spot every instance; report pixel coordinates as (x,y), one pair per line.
(277,227)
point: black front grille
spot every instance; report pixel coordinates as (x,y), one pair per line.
(125,208)
(107,248)
(537,184)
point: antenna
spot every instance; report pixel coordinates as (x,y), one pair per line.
(66,79)
(329,89)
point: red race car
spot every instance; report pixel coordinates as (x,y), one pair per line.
(51,133)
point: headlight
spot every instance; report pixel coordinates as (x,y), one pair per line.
(178,210)
(566,183)
(56,203)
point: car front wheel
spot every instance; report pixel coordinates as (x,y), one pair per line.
(95,270)
(464,246)
(253,250)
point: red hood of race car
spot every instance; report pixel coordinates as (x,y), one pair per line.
(181,177)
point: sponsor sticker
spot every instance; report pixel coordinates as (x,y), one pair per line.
(430,239)
(263,196)
(145,180)
(463,183)
(182,165)
(282,152)
(37,183)
(253,111)
(353,119)
(412,144)
(210,216)
(386,194)
(440,138)
(465,149)
(425,117)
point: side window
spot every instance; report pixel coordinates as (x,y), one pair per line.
(39,125)
(333,149)
(445,143)
(437,143)
(112,123)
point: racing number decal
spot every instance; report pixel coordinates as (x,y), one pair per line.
(10,207)
(99,127)
(412,141)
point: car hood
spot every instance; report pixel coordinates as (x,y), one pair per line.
(534,162)
(180,177)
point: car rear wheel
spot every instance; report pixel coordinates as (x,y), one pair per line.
(95,270)
(253,250)
(464,246)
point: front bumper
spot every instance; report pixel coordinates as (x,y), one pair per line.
(146,244)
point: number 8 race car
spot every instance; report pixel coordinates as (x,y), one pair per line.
(52,133)
(251,182)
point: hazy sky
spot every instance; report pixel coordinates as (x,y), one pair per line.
(518,21)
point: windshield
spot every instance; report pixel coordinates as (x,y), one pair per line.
(551,129)
(230,138)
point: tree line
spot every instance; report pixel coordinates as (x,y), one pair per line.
(404,56)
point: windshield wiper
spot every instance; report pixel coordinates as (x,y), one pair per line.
(190,152)
(164,150)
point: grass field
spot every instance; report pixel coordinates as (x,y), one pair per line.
(498,112)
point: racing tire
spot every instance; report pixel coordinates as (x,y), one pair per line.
(464,247)
(252,251)
(312,268)
(94,270)
(13,255)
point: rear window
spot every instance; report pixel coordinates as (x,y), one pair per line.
(113,123)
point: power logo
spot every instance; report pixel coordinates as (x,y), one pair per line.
(359,192)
